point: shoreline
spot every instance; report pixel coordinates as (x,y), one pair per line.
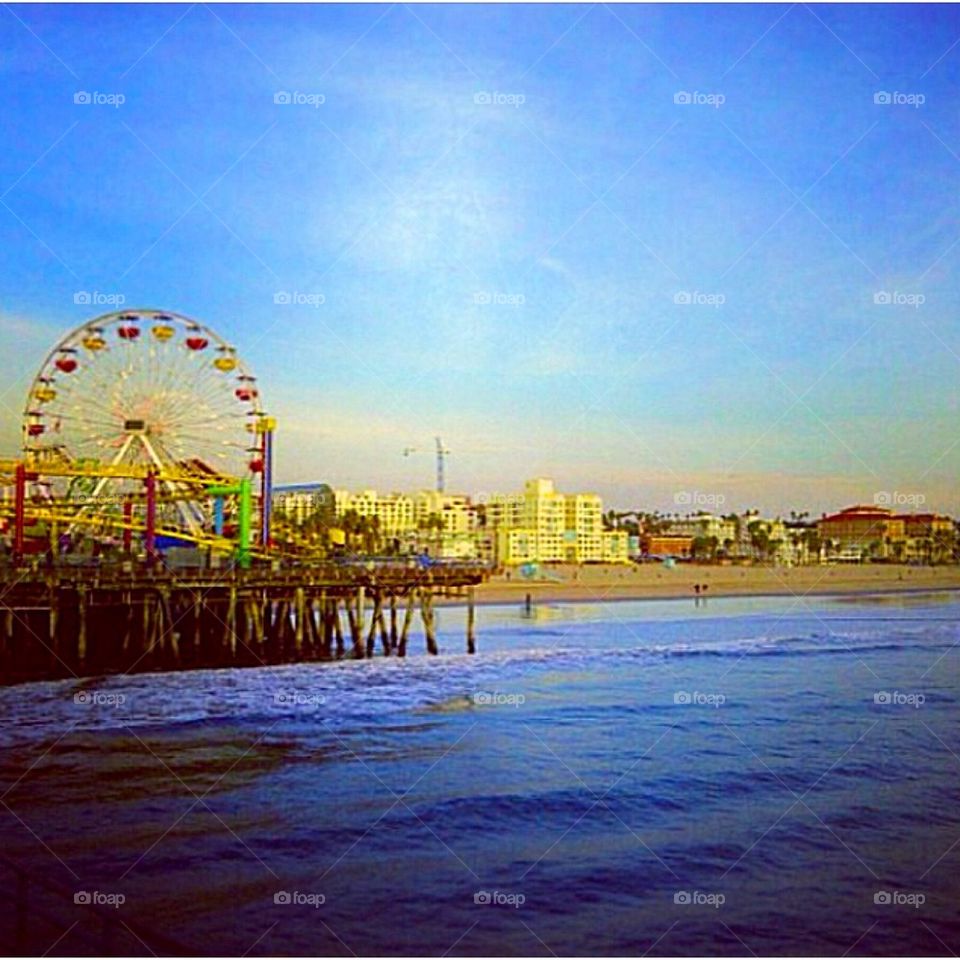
(650,597)
(619,584)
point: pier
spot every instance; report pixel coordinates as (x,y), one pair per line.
(77,622)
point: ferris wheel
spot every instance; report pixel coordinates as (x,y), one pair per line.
(146,389)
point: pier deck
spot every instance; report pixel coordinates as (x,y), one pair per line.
(78,621)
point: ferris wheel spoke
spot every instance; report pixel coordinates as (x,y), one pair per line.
(101,484)
(80,420)
(190,511)
(189,406)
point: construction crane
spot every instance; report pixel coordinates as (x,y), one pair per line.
(442,453)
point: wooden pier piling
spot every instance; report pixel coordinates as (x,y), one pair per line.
(471,620)
(74,622)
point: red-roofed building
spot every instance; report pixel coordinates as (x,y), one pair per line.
(928,537)
(862,531)
(868,531)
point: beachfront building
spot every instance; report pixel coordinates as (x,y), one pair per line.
(747,536)
(710,535)
(861,531)
(391,513)
(303,502)
(447,523)
(543,525)
(457,514)
(545,514)
(927,538)
(615,546)
(676,545)
(769,540)
(871,532)
(584,540)
(515,545)
(539,525)
(501,510)
(707,526)
(801,543)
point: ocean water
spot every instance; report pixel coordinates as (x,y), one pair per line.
(774,776)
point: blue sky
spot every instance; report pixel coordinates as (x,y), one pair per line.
(504,210)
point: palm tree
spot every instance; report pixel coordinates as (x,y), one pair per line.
(712,544)
(759,538)
(370,534)
(433,522)
(944,546)
(350,522)
(812,540)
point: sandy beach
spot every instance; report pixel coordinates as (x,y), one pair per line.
(654,581)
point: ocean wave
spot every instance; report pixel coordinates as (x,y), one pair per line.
(300,698)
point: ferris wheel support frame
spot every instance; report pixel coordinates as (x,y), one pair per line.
(19,511)
(242,491)
(266,482)
(193,524)
(150,533)
(24,473)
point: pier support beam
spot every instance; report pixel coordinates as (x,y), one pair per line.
(356,618)
(429,624)
(407,620)
(82,625)
(300,615)
(471,621)
(374,620)
(393,622)
(232,622)
(55,623)
(338,627)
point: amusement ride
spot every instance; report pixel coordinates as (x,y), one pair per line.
(142,429)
